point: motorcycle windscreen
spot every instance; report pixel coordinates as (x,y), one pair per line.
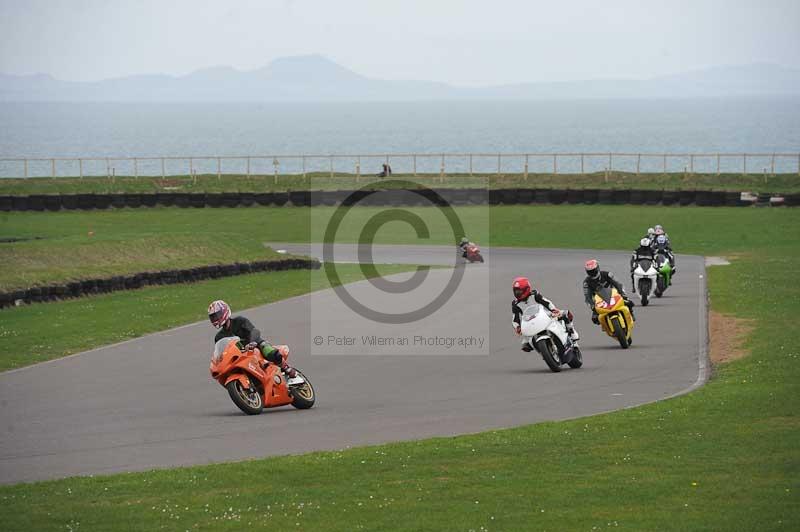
(605,293)
(221,345)
(645,264)
(530,312)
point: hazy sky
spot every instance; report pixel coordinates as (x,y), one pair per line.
(471,42)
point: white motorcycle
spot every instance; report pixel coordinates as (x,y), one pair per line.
(644,279)
(549,337)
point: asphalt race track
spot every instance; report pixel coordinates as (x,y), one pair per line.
(150,402)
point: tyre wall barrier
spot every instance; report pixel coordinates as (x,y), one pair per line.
(511,196)
(73,289)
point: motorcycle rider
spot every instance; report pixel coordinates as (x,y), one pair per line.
(523,292)
(651,234)
(644,251)
(665,245)
(463,246)
(596,279)
(219,313)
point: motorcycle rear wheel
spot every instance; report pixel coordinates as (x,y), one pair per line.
(249,402)
(577,358)
(544,347)
(303,395)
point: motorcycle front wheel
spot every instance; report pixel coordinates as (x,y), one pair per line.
(619,331)
(661,285)
(550,356)
(644,290)
(249,401)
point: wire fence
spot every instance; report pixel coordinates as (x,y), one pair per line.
(441,164)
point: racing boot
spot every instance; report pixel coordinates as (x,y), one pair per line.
(288,371)
(573,334)
(630,304)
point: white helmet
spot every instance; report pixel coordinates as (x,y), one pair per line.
(650,231)
(645,242)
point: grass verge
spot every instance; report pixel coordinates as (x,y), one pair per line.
(722,458)
(78,244)
(760,182)
(35,333)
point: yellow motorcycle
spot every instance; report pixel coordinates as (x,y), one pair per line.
(614,316)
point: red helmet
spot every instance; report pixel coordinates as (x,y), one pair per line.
(219,313)
(522,288)
(592,268)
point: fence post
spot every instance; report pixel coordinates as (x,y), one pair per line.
(191,166)
(219,168)
(275,164)
(162,169)
(798,164)
(415,164)
(638,162)
(135,167)
(691,164)
(304,165)
(664,171)
(555,165)
(358,168)
(582,172)
(718,164)
(108,169)
(26,165)
(248,168)
(744,163)
(441,170)
(330,159)
(772,166)
(470,165)
(53,167)
(80,168)
(498,164)
(526,167)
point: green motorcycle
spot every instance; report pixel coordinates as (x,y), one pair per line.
(664,269)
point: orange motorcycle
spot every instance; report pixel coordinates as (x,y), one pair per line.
(254,386)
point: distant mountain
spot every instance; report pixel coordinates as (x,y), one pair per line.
(316,78)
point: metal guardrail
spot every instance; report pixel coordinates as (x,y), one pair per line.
(407,163)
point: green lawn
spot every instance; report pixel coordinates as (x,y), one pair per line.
(68,246)
(323,181)
(86,244)
(128,314)
(724,457)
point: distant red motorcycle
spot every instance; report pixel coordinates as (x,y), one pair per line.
(473,253)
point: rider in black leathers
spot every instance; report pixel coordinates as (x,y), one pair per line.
(644,251)
(596,279)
